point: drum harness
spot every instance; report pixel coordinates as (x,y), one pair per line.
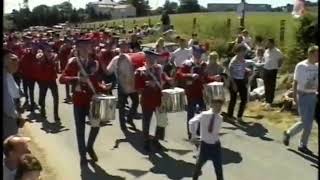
(85,74)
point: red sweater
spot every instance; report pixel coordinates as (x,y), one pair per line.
(192,87)
(48,70)
(28,65)
(64,56)
(104,59)
(150,96)
(83,97)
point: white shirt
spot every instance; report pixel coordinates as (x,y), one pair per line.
(181,55)
(306,74)
(204,120)
(272,58)
(247,40)
(124,72)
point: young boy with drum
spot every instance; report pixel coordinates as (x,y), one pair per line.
(149,84)
(82,72)
(210,147)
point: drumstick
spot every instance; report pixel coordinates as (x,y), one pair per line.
(84,73)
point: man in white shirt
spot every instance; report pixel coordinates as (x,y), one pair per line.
(210,147)
(191,41)
(13,148)
(181,54)
(305,89)
(122,66)
(273,60)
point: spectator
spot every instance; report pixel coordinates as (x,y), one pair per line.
(13,148)
(305,89)
(160,46)
(258,42)
(273,60)
(238,76)
(11,118)
(214,69)
(181,54)
(165,19)
(257,68)
(29,168)
(193,38)
(246,38)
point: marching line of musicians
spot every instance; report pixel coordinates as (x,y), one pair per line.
(140,76)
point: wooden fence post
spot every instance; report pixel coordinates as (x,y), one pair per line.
(229,26)
(149,22)
(282,32)
(194,24)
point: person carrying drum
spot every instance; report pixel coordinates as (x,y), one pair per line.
(48,69)
(149,85)
(123,67)
(74,73)
(193,77)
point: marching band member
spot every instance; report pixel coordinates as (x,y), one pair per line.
(104,57)
(63,57)
(28,65)
(148,83)
(193,77)
(123,67)
(47,79)
(83,94)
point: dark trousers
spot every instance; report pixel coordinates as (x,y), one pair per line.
(146,120)
(243,92)
(28,87)
(122,99)
(80,114)
(209,152)
(192,109)
(269,80)
(44,86)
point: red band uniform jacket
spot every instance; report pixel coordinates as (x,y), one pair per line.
(150,96)
(82,96)
(193,87)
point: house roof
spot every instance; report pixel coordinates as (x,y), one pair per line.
(105,2)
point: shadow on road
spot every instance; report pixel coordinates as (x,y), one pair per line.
(47,126)
(174,169)
(135,172)
(252,129)
(312,158)
(229,156)
(135,139)
(97,174)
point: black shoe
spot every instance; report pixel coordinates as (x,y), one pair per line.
(25,104)
(305,150)
(92,154)
(286,138)
(157,145)
(43,113)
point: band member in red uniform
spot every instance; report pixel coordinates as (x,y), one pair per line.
(63,56)
(104,57)
(149,85)
(192,76)
(83,94)
(28,69)
(47,80)
(123,67)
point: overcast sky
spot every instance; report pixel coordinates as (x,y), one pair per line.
(9,5)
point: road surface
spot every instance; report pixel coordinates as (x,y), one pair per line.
(251,151)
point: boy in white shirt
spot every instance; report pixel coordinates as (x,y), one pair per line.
(210,148)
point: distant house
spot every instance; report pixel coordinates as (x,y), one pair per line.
(115,10)
(221,7)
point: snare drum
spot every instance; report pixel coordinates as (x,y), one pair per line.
(102,109)
(173,100)
(213,91)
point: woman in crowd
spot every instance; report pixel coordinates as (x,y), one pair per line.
(238,74)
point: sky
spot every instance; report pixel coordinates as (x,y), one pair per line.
(9,5)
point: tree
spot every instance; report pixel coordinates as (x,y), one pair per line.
(40,14)
(187,6)
(91,12)
(170,7)
(142,6)
(74,16)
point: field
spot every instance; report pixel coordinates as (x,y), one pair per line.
(212,27)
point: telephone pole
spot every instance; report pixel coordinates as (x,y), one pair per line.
(243,2)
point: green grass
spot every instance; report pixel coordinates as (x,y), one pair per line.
(212,27)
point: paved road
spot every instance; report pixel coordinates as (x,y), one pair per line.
(251,151)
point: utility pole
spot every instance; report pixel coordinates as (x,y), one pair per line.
(243,2)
